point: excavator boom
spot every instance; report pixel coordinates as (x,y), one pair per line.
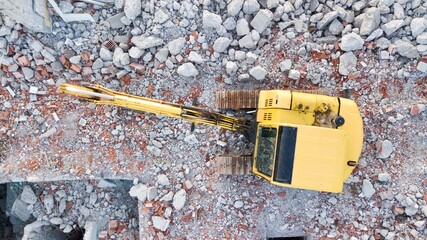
(101,95)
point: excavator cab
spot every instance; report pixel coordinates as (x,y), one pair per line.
(312,147)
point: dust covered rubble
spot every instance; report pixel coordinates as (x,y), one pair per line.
(208,45)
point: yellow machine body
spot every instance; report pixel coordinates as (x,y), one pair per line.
(303,140)
(300,144)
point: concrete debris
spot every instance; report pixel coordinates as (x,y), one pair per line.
(135,52)
(418,25)
(105,54)
(176,46)
(221,44)
(28,195)
(285,65)
(71,17)
(422,67)
(56,221)
(392,26)
(238,204)
(28,73)
(48,203)
(368,189)
(195,57)
(161,17)
(132,8)
(162,179)
(151,193)
(103,183)
(384,177)
(294,74)
(262,20)
(179,199)
(385,149)
(348,62)
(146,42)
(406,49)
(187,70)
(371,21)
(115,21)
(351,42)
(242,27)
(36,230)
(98,64)
(211,20)
(139,191)
(327,19)
(258,73)
(91,230)
(231,68)
(19,209)
(422,38)
(162,55)
(234,7)
(160,223)
(48,133)
(168,197)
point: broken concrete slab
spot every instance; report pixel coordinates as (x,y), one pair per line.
(19,209)
(115,22)
(34,16)
(71,17)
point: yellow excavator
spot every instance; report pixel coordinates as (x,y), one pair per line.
(302,140)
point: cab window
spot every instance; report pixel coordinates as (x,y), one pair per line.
(265,150)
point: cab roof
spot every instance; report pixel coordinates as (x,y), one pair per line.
(319,158)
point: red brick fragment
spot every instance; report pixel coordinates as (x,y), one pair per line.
(24,61)
(195,35)
(415,110)
(102,235)
(4,115)
(63,60)
(85,56)
(86,71)
(282,194)
(76,68)
(179,58)
(186,218)
(398,210)
(113,225)
(138,67)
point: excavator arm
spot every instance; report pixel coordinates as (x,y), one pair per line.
(101,95)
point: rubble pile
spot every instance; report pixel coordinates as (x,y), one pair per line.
(180,50)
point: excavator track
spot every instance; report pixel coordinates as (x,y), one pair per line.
(237,99)
(234,165)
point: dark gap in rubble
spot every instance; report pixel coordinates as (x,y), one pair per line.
(68,210)
(76,234)
(6,229)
